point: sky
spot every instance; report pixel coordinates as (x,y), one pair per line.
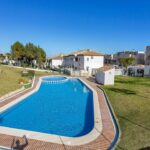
(63,26)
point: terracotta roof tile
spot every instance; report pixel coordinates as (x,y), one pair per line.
(57,57)
(86,52)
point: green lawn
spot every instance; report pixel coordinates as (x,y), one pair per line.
(9,79)
(130,98)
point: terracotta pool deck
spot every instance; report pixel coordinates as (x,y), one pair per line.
(101,143)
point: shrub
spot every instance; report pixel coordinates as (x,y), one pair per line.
(28,73)
(22,81)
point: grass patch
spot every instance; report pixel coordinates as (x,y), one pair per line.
(130,98)
(10,78)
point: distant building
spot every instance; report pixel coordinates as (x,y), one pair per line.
(136,70)
(140,58)
(110,59)
(55,61)
(147,55)
(86,60)
(114,58)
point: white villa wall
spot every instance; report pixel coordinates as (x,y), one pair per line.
(56,62)
(69,61)
(79,65)
(119,72)
(93,62)
(87,63)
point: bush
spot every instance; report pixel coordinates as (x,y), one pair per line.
(22,81)
(26,86)
(28,73)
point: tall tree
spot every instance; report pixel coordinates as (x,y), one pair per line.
(30,50)
(41,55)
(125,62)
(2,57)
(35,52)
(17,50)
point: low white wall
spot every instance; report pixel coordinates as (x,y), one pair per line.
(56,63)
(119,72)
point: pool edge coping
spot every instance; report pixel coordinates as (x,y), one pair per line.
(70,141)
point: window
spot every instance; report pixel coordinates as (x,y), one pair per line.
(76,59)
(91,57)
(87,59)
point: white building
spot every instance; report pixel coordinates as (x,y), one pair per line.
(55,61)
(105,75)
(139,57)
(137,70)
(86,60)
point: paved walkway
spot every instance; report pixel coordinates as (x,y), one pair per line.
(101,143)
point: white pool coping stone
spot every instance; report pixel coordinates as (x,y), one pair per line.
(72,141)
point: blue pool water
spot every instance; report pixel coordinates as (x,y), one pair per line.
(63,109)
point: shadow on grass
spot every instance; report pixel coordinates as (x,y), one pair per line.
(126,81)
(123,91)
(134,123)
(127,92)
(137,81)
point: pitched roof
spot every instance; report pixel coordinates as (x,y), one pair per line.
(105,68)
(57,57)
(86,52)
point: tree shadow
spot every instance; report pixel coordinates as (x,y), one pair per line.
(123,91)
(137,81)
(134,123)
(145,148)
(125,81)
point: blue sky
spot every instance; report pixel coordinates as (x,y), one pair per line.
(62,26)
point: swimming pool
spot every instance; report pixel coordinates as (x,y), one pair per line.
(63,109)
